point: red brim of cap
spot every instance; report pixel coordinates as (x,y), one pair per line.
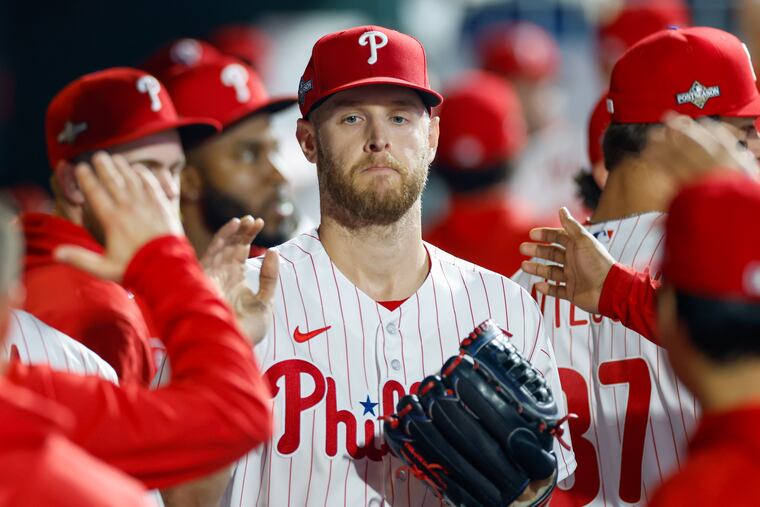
(749,110)
(191,131)
(430,97)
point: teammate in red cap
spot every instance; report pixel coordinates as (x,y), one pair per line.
(482,133)
(246,42)
(529,58)
(678,70)
(234,173)
(591,181)
(365,308)
(128,112)
(710,325)
(178,56)
(215,408)
(633,21)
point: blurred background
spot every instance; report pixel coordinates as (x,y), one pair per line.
(46,44)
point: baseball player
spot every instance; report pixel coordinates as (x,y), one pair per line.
(216,407)
(365,309)
(710,324)
(34,342)
(591,181)
(482,133)
(128,112)
(629,22)
(528,56)
(235,172)
(636,416)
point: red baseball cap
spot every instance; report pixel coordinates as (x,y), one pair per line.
(110,107)
(226,90)
(179,56)
(245,42)
(721,209)
(360,56)
(597,126)
(696,71)
(636,21)
(481,122)
(519,49)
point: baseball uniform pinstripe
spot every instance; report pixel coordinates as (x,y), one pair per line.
(635,416)
(336,360)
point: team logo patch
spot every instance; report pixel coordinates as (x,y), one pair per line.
(698,95)
(70,132)
(303,88)
(150,86)
(236,76)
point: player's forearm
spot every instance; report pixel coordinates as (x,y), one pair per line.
(630,297)
(217,406)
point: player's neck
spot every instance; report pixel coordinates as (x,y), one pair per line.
(633,188)
(729,387)
(387,262)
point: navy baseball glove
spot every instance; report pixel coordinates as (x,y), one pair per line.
(483,430)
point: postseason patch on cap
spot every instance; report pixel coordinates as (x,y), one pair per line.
(303,88)
(698,95)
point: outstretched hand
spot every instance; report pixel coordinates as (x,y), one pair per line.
(132,209)
(580,262)
(224,263)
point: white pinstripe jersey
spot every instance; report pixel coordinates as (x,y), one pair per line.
(635,416)
(38,343)
(330,389)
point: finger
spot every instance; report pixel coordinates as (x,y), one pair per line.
(96,195)
(549,272)
(132,183)
(549,235)
(268,277)
(249,229)
(157,200)
(109,176)
(570,224)
(88,261)
(551,253)
(553,290)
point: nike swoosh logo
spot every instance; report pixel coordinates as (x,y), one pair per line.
(304,337)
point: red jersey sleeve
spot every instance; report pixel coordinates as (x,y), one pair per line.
(217,406)
(631,297)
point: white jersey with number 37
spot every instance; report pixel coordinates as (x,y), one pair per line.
(338,360)
(635,417)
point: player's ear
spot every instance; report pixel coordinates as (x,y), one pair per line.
(307,139)
(191,184)
(67,184)
(599,173)
(433,133)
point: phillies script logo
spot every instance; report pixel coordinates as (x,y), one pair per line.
(291,374)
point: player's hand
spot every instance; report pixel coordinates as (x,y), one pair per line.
(581,263)
(690,148)
(131,207)
(224,263)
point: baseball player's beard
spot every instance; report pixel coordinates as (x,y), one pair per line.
(218,208)
(356,208)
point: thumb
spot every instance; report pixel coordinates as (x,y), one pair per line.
(268,277)
(570,224)
(88,261)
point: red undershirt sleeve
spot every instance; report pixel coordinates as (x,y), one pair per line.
(217,406)
(631,297)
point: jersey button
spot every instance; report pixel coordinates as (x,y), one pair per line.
(391,328)
(401,474)
(396,364)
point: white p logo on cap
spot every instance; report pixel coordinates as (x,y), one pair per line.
(151,86)
(376,40)
(186,51)
(236,76)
